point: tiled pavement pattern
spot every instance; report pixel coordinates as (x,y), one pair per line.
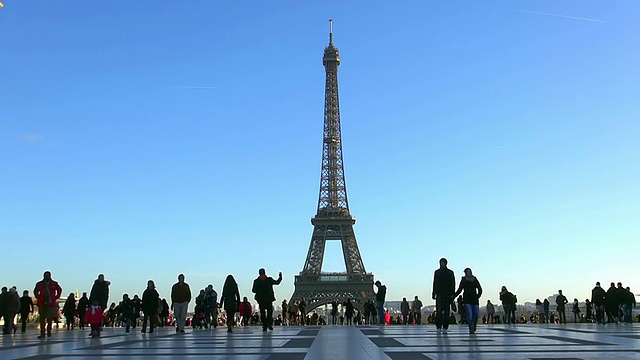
(531,342)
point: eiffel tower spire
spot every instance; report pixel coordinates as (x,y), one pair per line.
(333,220)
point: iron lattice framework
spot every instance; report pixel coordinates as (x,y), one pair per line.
(333,221)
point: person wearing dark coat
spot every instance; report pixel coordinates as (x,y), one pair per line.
(612,304)
(471,297)
(561,301)
(83,305)
(126,311)
(263,288)
(150,299)
(11,308)
(599,301)
(69,311)
(100,291)
(348,311)
(444,286)
(26,308)
(230,300)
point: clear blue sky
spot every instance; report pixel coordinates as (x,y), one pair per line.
(143,139)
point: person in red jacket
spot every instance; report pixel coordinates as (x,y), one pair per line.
(245,311)
(94,317)
(47,291)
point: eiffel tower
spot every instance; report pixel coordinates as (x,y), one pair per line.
(333,221)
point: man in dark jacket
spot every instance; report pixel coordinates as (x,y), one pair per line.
(100,291)
(611,304)
(598,299)
(26,308)
(381,294)
(263,288)
(561,301)
(444,286)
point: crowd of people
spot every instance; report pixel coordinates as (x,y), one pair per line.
(451,297)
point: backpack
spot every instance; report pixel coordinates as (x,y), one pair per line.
(515,298)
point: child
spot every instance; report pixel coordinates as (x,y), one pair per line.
(94,318)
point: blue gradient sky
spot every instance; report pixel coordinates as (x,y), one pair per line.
(143,139)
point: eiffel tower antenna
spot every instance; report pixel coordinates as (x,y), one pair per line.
(333,220)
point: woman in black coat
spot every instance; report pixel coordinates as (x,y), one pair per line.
(230,300)
(150,298)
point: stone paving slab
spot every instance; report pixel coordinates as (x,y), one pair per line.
(523,342)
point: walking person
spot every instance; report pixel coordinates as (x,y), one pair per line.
(180,298)
(491,311)
(611,307)
(26,308)
(545,307)
(100,291)
(83,305)
(472,291)
(150,299)
(380,297)
(95,318)
(588,310)
(47,292)
(263,288)
(444,286)
(11,309)
(126,312)
(285,311)
(404,310)
(210,307)
(230,300)
(540,310)
(561,301)
(245,311)
(302,307)
(509,302)
(69,311)
(416,309)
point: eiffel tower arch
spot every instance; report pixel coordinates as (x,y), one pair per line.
(333,220)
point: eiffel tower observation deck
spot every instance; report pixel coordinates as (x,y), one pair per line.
(333,220)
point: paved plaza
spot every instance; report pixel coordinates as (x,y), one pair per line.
(532,342)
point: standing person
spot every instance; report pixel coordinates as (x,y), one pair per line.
(150,299)
(163,312)
(245,311)
(598,299)
(285,311)
(180,298)
(589,310)
(629,304)
(416,309)
(540,310)
(576,311)
(334,311)
(94,317)
(211,307)
(545,307)
(263,288)
(302,307)
(47,292)
(444,286)
(491,311)
(348,311)
(83,305)
(100,291)
(380,296)
(561,301)
(404,310)
(230,300)
(69,311)
(471,296)
(26,308)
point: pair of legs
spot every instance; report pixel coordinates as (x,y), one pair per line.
(150,318)
(418,317)
(266,315)
(24,317)
(180,312)
(8,323)
(231,316)
(381,312)
(443,312)
(69,322)
(473,311)
(95,329)
(562,317)
(81,320)
(46,315)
